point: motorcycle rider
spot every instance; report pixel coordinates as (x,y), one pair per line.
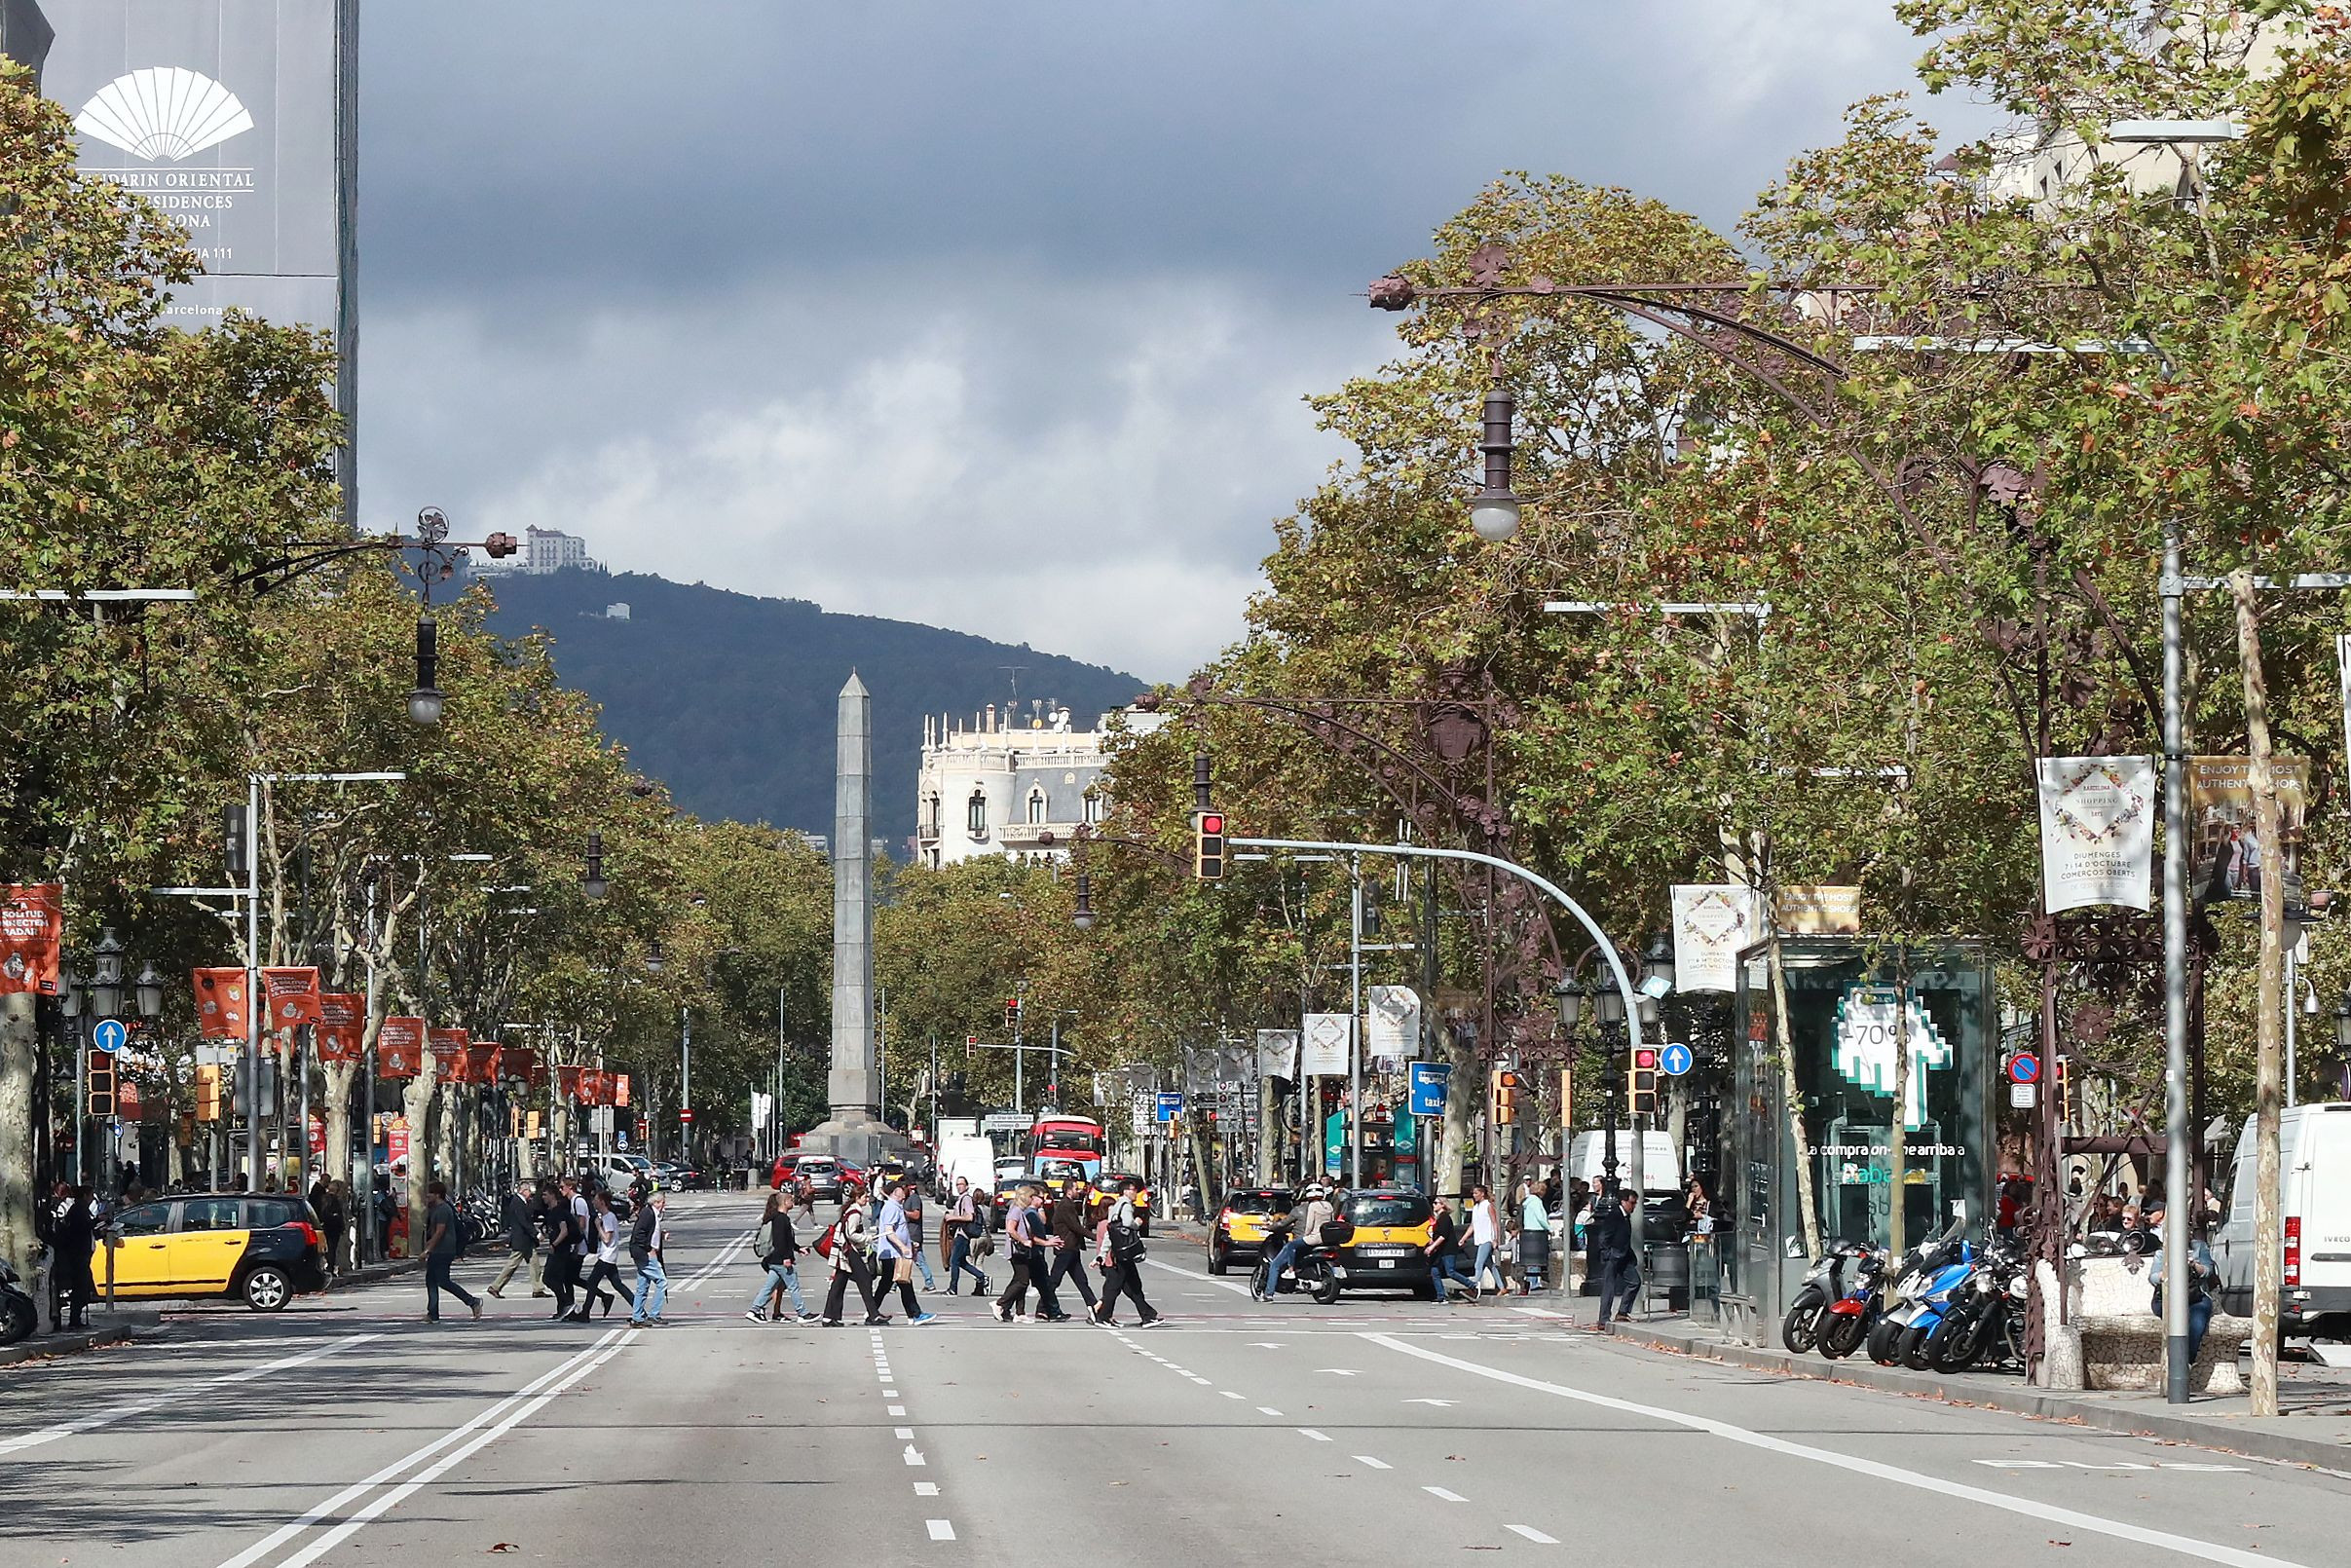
(1306,1222)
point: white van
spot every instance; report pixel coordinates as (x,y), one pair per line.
(1661,1171)
(2314,1170)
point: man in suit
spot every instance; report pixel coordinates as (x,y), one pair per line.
(1611,1255)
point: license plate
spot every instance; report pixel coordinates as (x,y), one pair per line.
(1391,1262)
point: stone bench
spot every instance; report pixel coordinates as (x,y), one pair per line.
(2111,1307)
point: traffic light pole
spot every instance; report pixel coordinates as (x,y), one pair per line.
(1355,1031)
(1607,948)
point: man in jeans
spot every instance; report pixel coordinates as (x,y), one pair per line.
(518,1224)
(966,1223)
(440,1251)
(894,1247)
(646,1239)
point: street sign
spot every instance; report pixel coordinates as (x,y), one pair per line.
(110,1035)
(684,1114)
(1674,1060)
(1427,1093)
(2024,1068)
(1170,1106)
(2021,1096)
(1004,1121)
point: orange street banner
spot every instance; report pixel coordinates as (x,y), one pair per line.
(400,1048)
(32,924)
(620,1090)
(220,1004)
(342,1025)
(522,1061)
(448,1054)
(567,1082)
(293,995)
(481,1062)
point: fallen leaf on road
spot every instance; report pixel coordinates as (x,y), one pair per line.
(507,1546)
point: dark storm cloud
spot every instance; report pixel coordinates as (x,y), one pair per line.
(994,315)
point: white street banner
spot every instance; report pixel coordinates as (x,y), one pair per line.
(1711,922)
(1391,1027)
(2097,832)
(1276,1053)
(1327,1045)
(2343,671)
(761,1105)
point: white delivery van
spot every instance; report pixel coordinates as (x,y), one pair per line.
(1661,1171)
(968,1155)
(2314,1172)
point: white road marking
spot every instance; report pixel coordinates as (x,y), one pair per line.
(1263,1344)
(904,1432)
(897,1409)
(1441,1404)
(1443,1495)
(2076,1464)
(1221,1285)
(889,1394)
(1542,1312)
(914,1458)
(1339,1371)
(2186,1546)
(1375,1464)
(926,1488)
(1230,1395)
(519,1407)
(941,1529)
(1309,1431)
(123,1411)
(1532,1534)
(1267,1409)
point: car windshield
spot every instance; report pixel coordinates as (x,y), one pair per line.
(1258,1203)
(816,1168)
(1388,1209)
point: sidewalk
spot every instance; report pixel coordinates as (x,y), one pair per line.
(122,1323)
(2319,1436)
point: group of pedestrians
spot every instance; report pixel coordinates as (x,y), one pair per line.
(1051,1243)
(582,1235)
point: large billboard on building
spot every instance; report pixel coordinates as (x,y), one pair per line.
(230,116)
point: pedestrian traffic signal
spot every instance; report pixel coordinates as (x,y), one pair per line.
(102,1083)
(1504,1096)
(1644,1085)
(1208,846)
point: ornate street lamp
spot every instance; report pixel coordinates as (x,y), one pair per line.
(106,977)
(1494,511)
(149,988)
(69,990)
(1574,995)
(1083,918)
(655,962)
(424,702)
(591,876)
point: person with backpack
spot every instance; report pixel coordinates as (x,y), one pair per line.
(603,1258)
(647,1240)
(441,1247)
(1119,1252)
(966,1223)
(844,1244)
(778,1254)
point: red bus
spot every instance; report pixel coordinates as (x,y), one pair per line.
(1059,1139)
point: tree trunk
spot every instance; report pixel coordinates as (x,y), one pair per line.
(2268,1243)
(448,1129)
(19,1052)
(1897,1143)
(1783,1041)
(416,1104)
(341,1079)
(1461,1050)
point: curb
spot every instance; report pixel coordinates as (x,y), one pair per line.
(377,1271)
(44,1347)
(2019,1400)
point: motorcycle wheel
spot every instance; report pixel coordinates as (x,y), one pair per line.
(1325,1290)
(1960,1343)
(1842,1334)
(1910,1351)
(1800,1330)
(18,1320)
(1884,1336)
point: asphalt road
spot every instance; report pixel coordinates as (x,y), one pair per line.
(346,1431)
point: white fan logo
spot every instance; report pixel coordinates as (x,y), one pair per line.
(163,114)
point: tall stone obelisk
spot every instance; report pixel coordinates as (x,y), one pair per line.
(853,1090)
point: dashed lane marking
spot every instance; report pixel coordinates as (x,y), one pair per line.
(897,1409)
(941,1529)
(926,1488)
(1309,1431)
(1443,1495)
(1532,1534)
(1267,1409)
(1371,1463)
(914,1458)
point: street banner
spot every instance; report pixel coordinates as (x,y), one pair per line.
(2224,852)
(481,1062)
(396,1140)
(32,924)
(342,1025)
(523,1061)
(620,1090)
(567,1082)
(400,1048)
(2342,673)
(1391,1027)
(1818,910)
(293,995)
(1276,1053)
(2097,832)
(1711,922)
(220,1004)
(1327,1045)
(448,1046)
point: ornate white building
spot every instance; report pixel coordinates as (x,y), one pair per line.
(998,786)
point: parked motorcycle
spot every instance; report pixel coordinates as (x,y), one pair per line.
(1852,1316)
(1914,1277)
(1987,1315)
(1799,1330)
(18,1316)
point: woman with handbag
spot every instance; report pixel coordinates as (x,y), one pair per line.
(844,1244)
(604,1252)
(1119,1253)
(1024,1248)
(964,1230)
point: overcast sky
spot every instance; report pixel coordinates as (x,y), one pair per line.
(992,314)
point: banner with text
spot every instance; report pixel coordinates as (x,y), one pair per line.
(32,924)
(342,1025)
(400,1048)
(1327,1045)
(293,995)
(220,1004)
(2097,832)
(1711,922)
(2224,849)
(1391,1027)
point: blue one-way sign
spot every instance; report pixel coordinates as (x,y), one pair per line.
(110,1035)
(1674,1060)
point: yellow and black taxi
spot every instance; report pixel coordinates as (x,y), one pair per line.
(1110,1183)
(1384,1252)
(1237,1232)
(261,1247)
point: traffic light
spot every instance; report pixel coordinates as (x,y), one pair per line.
(207,1094)
(102,1083)
(1644,1075)
(2062,1086)
(1567,1100)
(1208,846)
(1504,1096)
(1012,1015)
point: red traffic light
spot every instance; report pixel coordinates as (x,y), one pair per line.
(1645,1058)
(1212,822)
